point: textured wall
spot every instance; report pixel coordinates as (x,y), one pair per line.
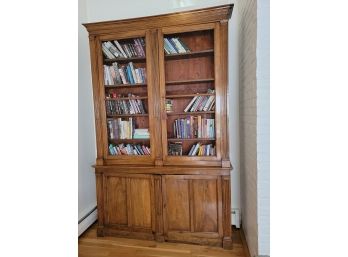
(254,122)
(263,154)
(248,120)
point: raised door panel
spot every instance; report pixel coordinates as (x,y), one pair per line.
(193,209)
(205,205)
(139,202)
(177,207)
(116,201)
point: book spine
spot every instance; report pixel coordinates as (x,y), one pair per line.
(120,48)
(189,105)
(178,45)
(184,45)
(171,42)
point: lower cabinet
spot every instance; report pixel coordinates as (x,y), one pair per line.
(192,209)
(128,205)
(177,208)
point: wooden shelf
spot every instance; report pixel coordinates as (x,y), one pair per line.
(109,117)
(126,85)
(188,113)
(132,59)
(128,141)
(126,98)
(189,81)
(191,139)
(190,54)
(188,95)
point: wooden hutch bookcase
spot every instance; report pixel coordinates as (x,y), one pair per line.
(160,102)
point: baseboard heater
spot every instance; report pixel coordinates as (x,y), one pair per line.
(87,220)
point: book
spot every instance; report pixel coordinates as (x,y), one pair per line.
(116,105)
(189,105)
(178,45)
(169,105)
(170,46)
(129,149)
(120,49)
(175,148)
(184,45)
(107,52)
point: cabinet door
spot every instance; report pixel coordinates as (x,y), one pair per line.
(192,208)
(129,203)
(191,94)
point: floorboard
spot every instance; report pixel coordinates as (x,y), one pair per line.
(90,245)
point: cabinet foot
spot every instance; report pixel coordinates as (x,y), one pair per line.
(227,243)
(100,232)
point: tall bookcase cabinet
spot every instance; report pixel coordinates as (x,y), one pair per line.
(162,167)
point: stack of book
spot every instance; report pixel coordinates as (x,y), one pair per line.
(114,49)
(202,103)
(175,148)
(121,128)
(194,127)
(125,74)
(169,105)
(175,45)
(129,149)
(129,106)
(202,150)
(142,133)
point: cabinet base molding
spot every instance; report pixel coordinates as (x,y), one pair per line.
(109,231)
(227,243)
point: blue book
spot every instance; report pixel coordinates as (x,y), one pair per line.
(129,75)
(172,49)
(173,44)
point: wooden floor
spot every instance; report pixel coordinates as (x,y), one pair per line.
(92,246)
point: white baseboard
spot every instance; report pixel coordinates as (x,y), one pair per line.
(235,217)
(88,221)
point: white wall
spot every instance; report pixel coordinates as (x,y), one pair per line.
(248,117)
(98,10)
(254,123)
(263,112)
(87,148)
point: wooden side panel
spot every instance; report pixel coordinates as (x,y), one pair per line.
(116,201)
(226,199)
(177,204)
(100,203)
(139,200)
(205,205)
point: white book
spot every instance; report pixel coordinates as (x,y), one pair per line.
(138,76)
(107,52)
(112,48)
(178,45)
(207,104)
(192,148)
(189,105)
(195,151)
(120,49)
(123,76)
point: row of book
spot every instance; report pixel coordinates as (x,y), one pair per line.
(200,149)
(194,127)
(175,45)
(202,103)
(121,128)
(129,106)
(114,49)
(125,129)
(129,149)
(125,74)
